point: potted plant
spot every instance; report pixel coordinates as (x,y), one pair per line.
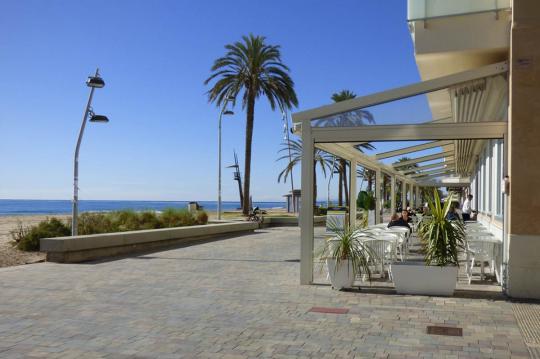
(346,256)
(441,239)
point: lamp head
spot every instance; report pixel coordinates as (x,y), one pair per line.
(228,112)
(95,82)
(99,118)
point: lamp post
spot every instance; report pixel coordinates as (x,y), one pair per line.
(288,139)
(226,112)
(93,82)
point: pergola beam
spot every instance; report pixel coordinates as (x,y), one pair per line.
(350,153)
(416,148)
(401,92)
(428,173)
(423,131)
(416,160)
(445,164)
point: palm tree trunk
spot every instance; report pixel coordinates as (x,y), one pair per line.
(340,189)
(250,117)
(345,185)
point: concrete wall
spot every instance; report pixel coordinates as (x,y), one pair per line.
(89,247)
(524,149)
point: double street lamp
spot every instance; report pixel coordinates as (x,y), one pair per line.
(93,82)
(226,112)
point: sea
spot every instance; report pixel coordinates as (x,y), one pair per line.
(16,207)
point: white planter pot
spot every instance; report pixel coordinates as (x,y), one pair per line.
(342,276)
(417,278)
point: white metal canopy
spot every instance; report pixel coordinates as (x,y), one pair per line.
(478,114)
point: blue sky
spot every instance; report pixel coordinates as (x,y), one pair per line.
(161,143)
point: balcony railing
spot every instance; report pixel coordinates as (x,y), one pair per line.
(429,9)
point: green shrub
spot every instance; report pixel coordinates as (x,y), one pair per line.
(149,220)
(125,220)
(95,223)
(365,200)
(172,217)
(27,238)
(202,217)
(48,228)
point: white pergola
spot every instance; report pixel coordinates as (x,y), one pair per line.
(474,103)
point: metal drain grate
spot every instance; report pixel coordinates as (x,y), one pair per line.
(450,331)
(528,319)
(329,310)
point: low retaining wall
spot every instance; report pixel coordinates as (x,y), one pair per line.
(84,248)
(288,221)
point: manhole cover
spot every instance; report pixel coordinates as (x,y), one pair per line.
(329,310)
(450,331)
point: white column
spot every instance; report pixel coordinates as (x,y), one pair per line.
(403,195)
(392,195)
(378,182)
(306,210)
(409,193)
(352,194)
(412,196)
(418,202)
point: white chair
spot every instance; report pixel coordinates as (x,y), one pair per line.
(383,250)
(481,249)
(403,233)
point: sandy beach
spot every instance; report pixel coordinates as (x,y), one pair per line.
(10,255)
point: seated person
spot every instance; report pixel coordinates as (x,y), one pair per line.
(457,210)
(402,221)
(452,214)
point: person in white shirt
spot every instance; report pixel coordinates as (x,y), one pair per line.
(467,208)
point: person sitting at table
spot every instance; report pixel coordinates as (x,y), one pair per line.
(402,221)
(452,215)
(458,210)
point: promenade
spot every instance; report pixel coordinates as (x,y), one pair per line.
(237,298)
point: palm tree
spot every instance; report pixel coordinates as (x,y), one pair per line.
(367,175)
(408,169)
(323,159)
(348,119)
(254,68)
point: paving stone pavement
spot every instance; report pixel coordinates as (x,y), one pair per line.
(233,298)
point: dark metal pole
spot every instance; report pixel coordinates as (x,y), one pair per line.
(75,209)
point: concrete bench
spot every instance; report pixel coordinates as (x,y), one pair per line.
(89,247)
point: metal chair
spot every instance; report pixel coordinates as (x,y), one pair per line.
(481,249)
(384,252)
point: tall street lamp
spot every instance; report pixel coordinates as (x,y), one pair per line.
(224,111)
(288,139)
(93,82)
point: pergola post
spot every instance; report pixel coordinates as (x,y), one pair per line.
(392,195)
(409,194)
(418,202)
(352,194)
(306,210)
(403,195)
(378,198)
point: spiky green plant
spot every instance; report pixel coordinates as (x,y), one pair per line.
(441,238)
(346,245)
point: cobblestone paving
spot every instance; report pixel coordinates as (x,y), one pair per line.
(236,298)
